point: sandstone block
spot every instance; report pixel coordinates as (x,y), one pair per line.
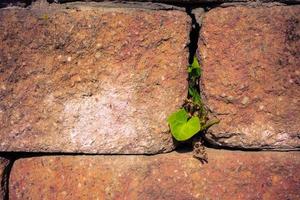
(86,78)
(251,76)
(228,175)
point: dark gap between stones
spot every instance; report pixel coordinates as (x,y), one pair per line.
(23,154)
(194,34)
(19,3)
(5,179)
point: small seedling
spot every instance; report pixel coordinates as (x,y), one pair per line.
(192,118)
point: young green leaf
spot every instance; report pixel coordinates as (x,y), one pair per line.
(178,117)
(194,69)
(181,128)
(195,95)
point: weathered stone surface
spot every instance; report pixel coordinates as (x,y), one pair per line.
(167,4)
(90,79)
(160,3)
(251,76)
(228,175)
(193,1)
(4,163)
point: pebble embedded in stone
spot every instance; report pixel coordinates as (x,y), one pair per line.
(245,100)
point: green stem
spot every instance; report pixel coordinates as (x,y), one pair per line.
(209,124)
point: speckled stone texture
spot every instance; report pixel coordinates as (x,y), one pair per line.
(251,76)
(4,163)
(228,175)
(196,1)
(166,4)
(84,78)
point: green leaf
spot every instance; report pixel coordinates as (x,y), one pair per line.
(181,128)
(178,117)
(195,63)
(194,69)
(195,95)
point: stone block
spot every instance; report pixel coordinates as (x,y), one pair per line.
(92,79)
(251,76)
(228,175)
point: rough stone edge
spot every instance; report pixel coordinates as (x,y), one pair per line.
(183,2)
(145,5)
(5,168)
(253,4)
(150,4)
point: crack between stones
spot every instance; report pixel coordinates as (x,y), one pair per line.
(5,178)
(194,34)
(19,3)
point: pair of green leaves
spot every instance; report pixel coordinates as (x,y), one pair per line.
(183,128)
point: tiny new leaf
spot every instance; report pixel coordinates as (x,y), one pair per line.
(195,95)
(194,69)
(183,128)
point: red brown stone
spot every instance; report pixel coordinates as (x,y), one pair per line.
(228,175)
(86,78)
(251,76)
